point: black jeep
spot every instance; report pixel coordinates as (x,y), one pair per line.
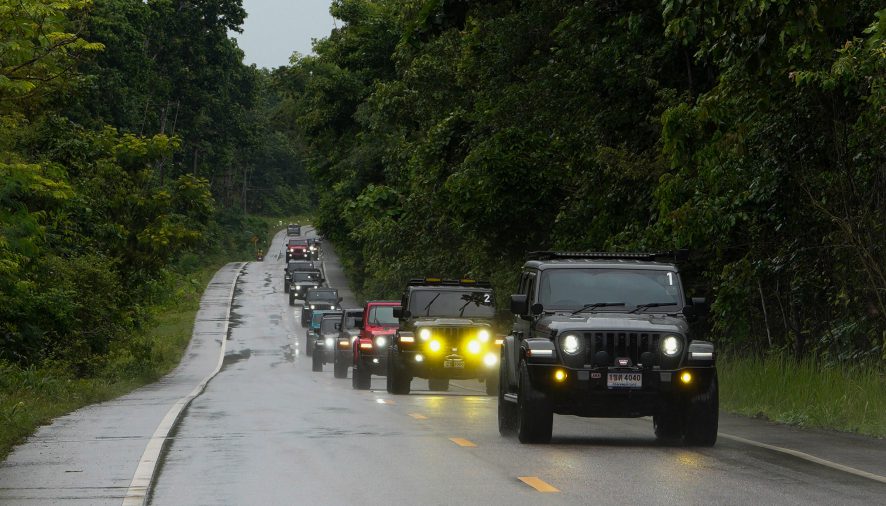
(302,281)
(319,298)
(349,329)
(293,266)
(606,335)
(445,333)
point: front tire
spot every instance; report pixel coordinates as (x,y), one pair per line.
(361,378)
(339,367)
(703,416)
(535,418)
(492,384)
(317,362)
(507,411)
(309,345)
(399,382)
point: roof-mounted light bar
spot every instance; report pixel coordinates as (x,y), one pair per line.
(680,255)
(448,282)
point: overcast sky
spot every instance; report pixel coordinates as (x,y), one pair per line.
(274,29)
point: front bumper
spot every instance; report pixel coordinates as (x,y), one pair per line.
(585,392)
(445,366)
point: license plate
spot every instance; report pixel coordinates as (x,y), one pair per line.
(624,380)
(454,363)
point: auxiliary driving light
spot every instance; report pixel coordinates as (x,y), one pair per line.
(483,335)
(425,334)
(686,378)
(560,375)
(435,346)
(474,347)
(490,359)
(419,358)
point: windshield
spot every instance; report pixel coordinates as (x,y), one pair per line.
(455,303)
(325,295)
(316,316)
(305,276)
(352,318)
(382,315)
(576,288)
(327,325)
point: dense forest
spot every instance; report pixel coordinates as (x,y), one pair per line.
(452,136)
(133,139)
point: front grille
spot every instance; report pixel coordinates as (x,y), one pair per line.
(621,345)
(453,337)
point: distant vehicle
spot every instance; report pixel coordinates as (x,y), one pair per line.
(371,348)
(606,335)
(314,247)
(296,265)
(313,330)
(445,333)
(349,329)
(302,281)
(297,249)
(293,229)
(325,340)
(319,298)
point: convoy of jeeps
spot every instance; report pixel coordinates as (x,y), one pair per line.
(592,334)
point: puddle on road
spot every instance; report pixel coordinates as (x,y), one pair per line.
(233,358)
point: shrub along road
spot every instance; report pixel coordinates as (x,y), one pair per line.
(267,430)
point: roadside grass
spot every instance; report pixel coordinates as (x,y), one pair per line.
(30,397)
(848,398)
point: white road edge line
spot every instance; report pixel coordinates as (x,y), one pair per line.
(137,493)
(806,456)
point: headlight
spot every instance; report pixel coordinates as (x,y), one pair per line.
(329,342)
(570,344)
(483,335)
(435,346)
(380,342)
(297,287)
(313,306)
(670,346)
(490,359)
(425,334)
(474,347)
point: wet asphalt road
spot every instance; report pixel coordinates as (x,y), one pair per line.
(267,430)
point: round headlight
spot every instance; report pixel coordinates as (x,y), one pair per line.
(425,334)
(435,346)
(670,345)
(329,342)
(313,307)
(380,342)
(570,344)
(483,335)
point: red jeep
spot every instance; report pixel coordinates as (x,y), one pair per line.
(297,249)
(371,348)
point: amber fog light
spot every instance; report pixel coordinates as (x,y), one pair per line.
(560,375)
(686,378)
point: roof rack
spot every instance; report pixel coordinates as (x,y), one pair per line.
(680,255)
(448,282)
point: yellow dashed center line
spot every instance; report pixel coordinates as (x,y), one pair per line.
(538,484)
(418,416)
(462,442)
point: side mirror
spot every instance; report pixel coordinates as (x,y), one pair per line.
(397,312)
(537,309)
(519,304)
(698,307)
(339,300)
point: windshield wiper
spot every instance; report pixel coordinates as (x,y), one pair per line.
(651,304)
(596,305)
(428,307)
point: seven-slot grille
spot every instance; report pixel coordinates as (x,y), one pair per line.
(453,337)
(621,344)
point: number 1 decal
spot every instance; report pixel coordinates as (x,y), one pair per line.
(671,278)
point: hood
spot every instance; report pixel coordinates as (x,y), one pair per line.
(613,321)
(435,321)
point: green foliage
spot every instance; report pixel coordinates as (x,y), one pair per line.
(452,137)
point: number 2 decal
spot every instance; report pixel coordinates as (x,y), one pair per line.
(487,299)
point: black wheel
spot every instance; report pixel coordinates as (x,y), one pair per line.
(703,416)
(399,382)
(304,319)
(507,411)
(339,367)
(535,418)
(291,300)
(285,287)
(438,384)
(492,383)
(309,345)
(361,378)
(317,362)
